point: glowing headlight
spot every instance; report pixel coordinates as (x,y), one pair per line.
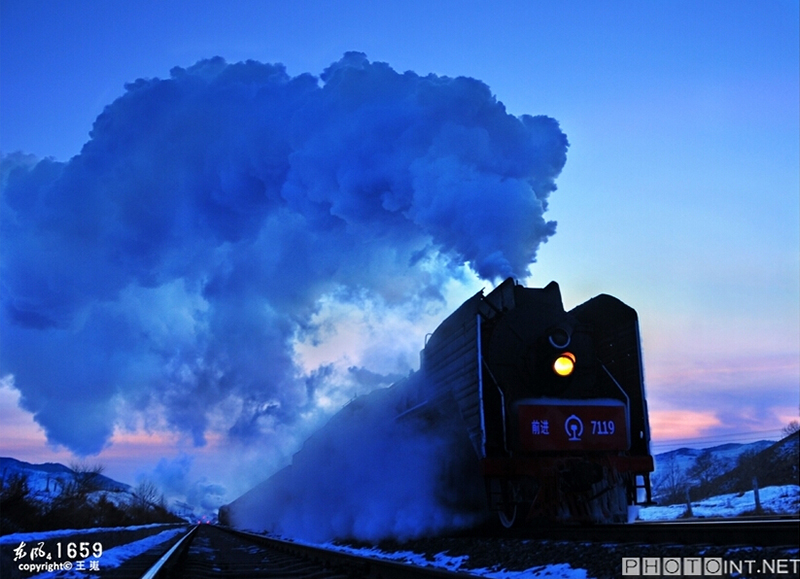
(564,364)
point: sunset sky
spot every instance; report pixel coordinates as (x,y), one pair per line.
(679,196)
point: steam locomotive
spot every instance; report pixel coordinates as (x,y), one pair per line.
(553,402)
(545,409)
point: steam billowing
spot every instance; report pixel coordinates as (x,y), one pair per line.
(369,476)
(163,277)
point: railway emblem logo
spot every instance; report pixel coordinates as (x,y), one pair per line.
(574,427)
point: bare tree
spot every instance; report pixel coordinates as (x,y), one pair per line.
(670,485)
(14,487)
(705,468)
(749,463)
(791,428)
(86,478)
(18,510)
(146,494)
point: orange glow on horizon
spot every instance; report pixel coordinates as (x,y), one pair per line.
(126,443)
(125,454)
(680,424)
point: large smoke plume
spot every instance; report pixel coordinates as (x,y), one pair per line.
(163,277)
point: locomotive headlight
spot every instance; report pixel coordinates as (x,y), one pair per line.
(564,364)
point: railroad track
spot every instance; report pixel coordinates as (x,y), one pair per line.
(766,533)
(218,552)
(210,551)
(754,532)
(68,552)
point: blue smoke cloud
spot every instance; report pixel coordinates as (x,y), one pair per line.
(172,262)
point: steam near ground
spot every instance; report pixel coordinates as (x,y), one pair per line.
(370,476)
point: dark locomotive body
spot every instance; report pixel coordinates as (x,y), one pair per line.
(521,439)
(569,447)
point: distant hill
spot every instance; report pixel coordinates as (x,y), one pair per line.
(773,466)
(46,479)
(724,469)
(40,497)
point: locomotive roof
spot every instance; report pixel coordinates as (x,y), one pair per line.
(503,298)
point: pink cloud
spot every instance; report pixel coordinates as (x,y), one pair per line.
(681,424)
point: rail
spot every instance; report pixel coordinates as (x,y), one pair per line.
(170,556)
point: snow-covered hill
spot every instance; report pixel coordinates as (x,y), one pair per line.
(680,467)
(47,480)
(725,469)
(38,497)
(683,460)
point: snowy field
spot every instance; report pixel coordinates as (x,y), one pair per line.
(779,500)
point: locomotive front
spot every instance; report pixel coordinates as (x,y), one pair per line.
(553,401)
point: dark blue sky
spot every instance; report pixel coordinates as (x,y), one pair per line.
(679,194)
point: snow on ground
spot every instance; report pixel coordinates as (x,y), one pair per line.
(563,571)
(446,562)
(779,500)
(47,481)
(112,558)
(15,538)
(678,463)
(50,479)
